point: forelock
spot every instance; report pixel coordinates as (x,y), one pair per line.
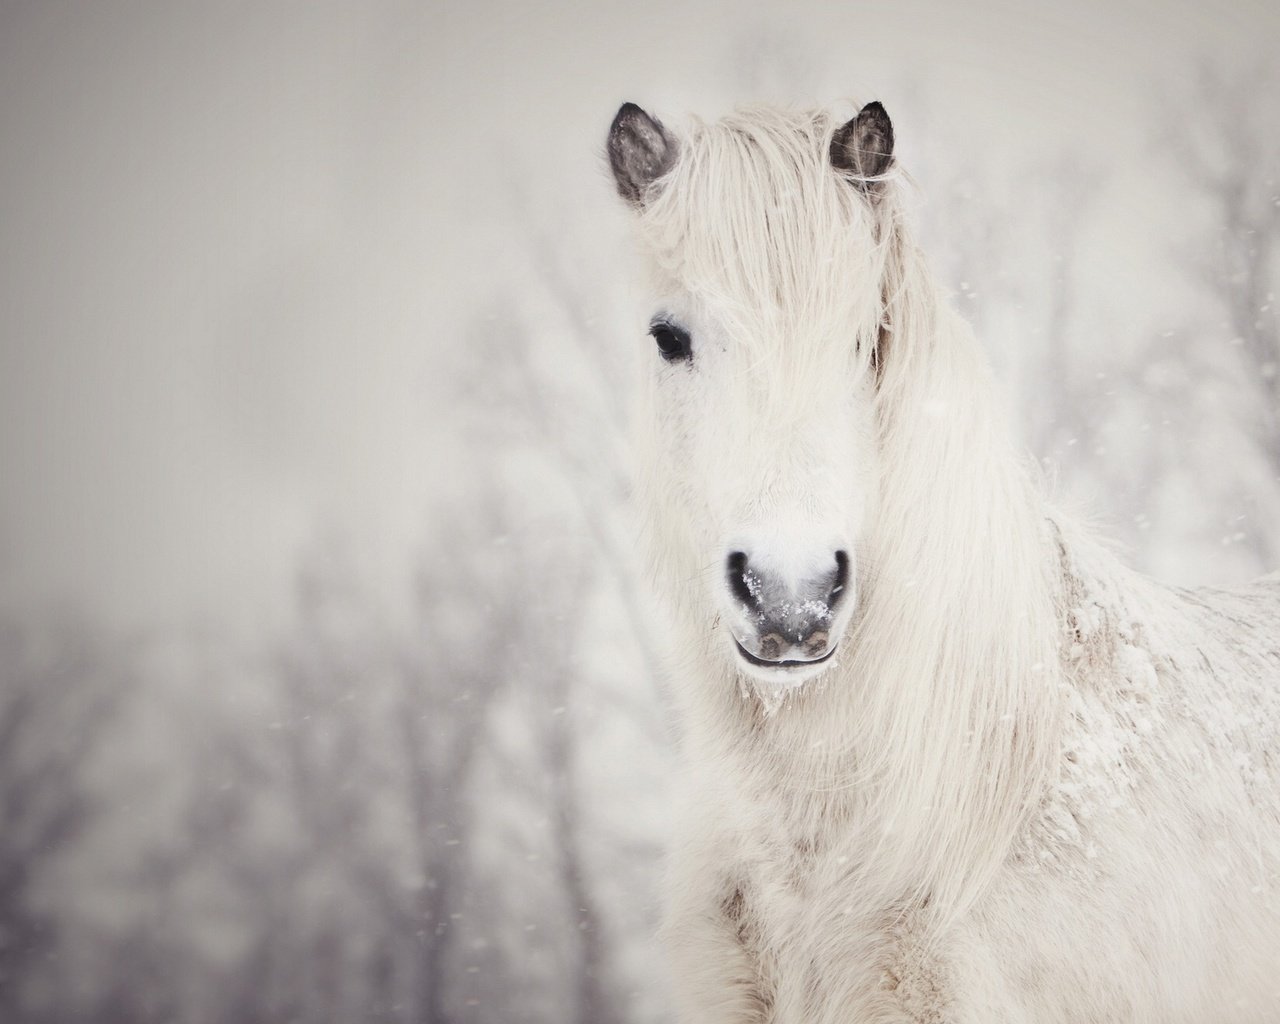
(755,220)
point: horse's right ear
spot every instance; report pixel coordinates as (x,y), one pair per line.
(863,148)
(640,152)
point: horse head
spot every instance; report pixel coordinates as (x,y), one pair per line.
(768,239)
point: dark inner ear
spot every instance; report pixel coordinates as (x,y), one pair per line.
(864,147)
(640,152)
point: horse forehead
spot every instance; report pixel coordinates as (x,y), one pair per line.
(771,286)
(778,252)
(783,316)
(785,379)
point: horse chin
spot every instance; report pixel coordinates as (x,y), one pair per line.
(786,675)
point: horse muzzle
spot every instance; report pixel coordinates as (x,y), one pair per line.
(786,626)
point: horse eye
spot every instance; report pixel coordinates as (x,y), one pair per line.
(674,343)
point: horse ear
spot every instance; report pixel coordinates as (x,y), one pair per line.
(640,152)
(864,147)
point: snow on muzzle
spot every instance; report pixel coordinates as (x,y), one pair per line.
(787,622)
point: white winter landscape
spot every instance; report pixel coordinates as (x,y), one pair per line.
(331,687)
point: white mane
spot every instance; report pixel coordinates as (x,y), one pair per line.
(1006,695)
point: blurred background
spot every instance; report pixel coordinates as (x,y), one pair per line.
(329,689)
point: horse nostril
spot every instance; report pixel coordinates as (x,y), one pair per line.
(771,647)
(841,578)
(816,643)
(742,581)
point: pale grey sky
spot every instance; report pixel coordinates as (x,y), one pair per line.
(237,238)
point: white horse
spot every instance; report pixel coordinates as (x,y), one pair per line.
(946,759)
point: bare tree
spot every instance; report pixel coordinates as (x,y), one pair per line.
(57,697)
(1225,143)
(1235,162)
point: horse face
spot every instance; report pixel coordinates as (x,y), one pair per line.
(760,476)
(759,461)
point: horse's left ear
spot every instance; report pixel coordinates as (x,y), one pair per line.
(640,152)
(864,148)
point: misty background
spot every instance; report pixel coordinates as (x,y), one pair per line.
(329,686)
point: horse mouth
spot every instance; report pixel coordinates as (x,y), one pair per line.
(792,664)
